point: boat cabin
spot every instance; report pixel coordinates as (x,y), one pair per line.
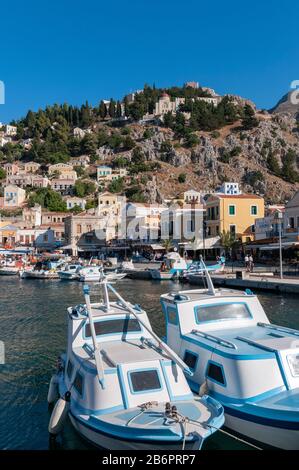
(225,337)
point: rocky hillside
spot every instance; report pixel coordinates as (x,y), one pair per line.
(285,105)
(255,158)
(199,147)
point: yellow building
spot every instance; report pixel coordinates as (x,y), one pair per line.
(233,213)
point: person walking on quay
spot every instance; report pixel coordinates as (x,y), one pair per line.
(246,261)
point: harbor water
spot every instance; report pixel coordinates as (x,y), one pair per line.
(33,328)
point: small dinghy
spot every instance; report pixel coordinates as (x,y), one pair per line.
(240,358)
(122,387)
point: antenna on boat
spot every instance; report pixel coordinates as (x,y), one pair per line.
(211,288)
(97,356)
(175,358)
(103,282)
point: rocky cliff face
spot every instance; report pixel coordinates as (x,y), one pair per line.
(285,105)
(231,154)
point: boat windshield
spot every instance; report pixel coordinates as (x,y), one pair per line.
(224,311)
(116,326)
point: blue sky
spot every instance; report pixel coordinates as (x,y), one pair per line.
(73,51)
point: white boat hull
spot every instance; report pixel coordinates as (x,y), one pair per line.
(109,442)
(161,276)
(38,275)
(9,271)
(281,438)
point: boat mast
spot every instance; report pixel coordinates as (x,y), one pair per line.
(97,355)
(175,358)
(211,288)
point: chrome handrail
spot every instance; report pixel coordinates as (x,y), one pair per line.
(217,339)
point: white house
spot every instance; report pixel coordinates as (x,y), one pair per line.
(10,130)
(13,196)
(72,202)
(192,197)
(229,188)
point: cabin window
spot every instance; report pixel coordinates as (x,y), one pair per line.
(215,373)
(146,380)
(111,327)
(78,383)
(172,315)
(228,311)
(190,359)
(69,369)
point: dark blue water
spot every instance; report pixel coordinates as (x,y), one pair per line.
(33,327)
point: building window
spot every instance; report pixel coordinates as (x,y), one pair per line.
(292,222)
(79,229)
(253,210)
(232,210)
(253,228)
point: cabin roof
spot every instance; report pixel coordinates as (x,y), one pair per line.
(253,342)
(121,352)
(201,294)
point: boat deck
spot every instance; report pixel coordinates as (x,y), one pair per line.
(254,341)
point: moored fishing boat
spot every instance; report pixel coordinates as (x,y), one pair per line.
(96,273)
(70,272)
(245,362)
(122,387)
(173,266)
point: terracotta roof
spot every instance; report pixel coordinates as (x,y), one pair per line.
(238,196)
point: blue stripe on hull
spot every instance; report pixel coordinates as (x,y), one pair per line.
(127,437)
(274,423)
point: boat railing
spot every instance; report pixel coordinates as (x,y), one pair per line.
(216,339)
(255,344)
(283,329)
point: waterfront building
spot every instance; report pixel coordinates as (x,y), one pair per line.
(183,224)
(32,216)
(143,221)
(292,216)
(235,214)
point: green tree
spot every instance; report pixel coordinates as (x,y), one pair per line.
(191,140)
(228,241)
(288,171)
(102,110)
(272,163)
(118,110)
(2,174)
(249,120)
(129,143)
(116,186)
(182,177)
(112,108)
(167,244)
